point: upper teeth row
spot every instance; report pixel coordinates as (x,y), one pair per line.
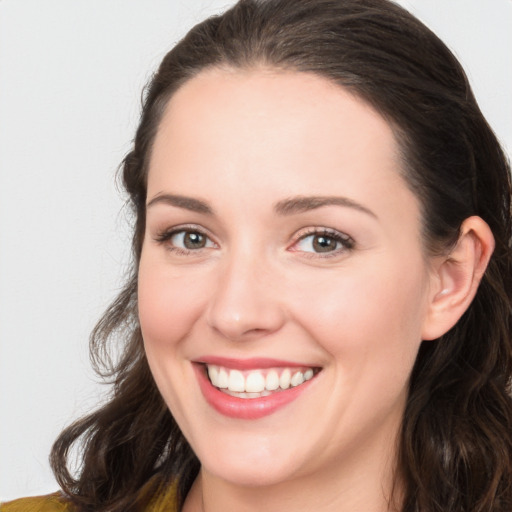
(255,381)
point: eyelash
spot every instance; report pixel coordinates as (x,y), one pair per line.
(343,239)
(347,242)
(165,236)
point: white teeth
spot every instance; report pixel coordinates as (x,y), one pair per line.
(236,381)
(297,379)
(223,381)
(253,384)
(272,381)
(284,380)
(213,373)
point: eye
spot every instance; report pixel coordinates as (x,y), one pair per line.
(324,242)
(190,240)
(185,241)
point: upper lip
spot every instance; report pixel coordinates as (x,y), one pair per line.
(250,363)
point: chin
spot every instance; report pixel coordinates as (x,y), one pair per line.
(246,474)
(251,464)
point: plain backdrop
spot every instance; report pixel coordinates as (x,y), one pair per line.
(71,75)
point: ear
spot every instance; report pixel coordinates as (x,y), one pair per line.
(455,277)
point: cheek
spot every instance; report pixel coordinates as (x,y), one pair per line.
(368,317)
(168,308)
(169,302)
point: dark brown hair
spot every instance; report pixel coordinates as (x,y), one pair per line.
(455,449)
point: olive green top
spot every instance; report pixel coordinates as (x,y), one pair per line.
(56,503)
(49,503)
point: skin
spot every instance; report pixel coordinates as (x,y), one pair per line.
(242,142)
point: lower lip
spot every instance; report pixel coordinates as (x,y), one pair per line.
(246,408)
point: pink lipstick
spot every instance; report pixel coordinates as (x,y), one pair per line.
(251,388)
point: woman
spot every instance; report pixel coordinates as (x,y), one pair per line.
(318,317)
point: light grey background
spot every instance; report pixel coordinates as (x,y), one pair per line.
(71,73)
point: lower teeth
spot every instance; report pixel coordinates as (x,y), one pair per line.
(246,395)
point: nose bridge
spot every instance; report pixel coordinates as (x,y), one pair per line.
(245,302)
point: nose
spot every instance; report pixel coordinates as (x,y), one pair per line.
(246,303)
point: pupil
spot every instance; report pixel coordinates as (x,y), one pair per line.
(194,240)
(323,244)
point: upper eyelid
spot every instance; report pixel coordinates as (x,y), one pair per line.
(320,230)
(184,227)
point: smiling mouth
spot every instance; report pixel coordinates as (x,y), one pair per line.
(258,382)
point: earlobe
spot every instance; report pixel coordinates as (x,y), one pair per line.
(456,277)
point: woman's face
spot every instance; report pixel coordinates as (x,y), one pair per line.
(282,245)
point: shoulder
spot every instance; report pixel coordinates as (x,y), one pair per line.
(163,500)
(49,503)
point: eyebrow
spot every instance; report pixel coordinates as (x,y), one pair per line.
(302,204)
(188,203)
(290,206)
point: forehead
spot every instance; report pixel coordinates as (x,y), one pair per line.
(233,106)
(273,132)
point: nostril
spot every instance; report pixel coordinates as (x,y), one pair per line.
(244,320)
